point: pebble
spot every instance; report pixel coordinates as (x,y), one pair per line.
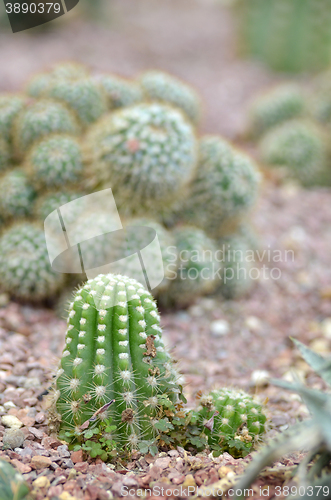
(326,328)
(163,463)
(77,456)
(253,323)
(40,462)
(67,464)
(260,378)
(13,438)
(9,404)
(36,432)
(22,468)
(63,451)
(11,421)
(41,482)
(189,481)
(219,327)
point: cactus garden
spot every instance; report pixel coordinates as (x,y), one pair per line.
(165,283)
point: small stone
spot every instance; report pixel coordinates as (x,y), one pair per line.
(223,471)
(67,463)
(11,421)
(41,482)
(163,463)
(40,462)
(253,323)
(63,451)
(32,383)
(179,479)
(36,433)
(321,346)
(9,404)
(40,417)
(260,378)
(189,481)
(66,496)
(77,456)
(219,327)
(13,438)
(81,467)
(22,468)
(130,482)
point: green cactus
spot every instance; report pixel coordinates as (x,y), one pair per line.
(284,102)
(41,118)
(301,147)
(292,36)
(237,426)
(120,92)
(147,153)
(53,200)
(320,98)
(56,161)
(10,106)
(5,154)
(224,188)
(16,194)
(160,86)
(83,95)
(195,272)
(114,350)
(25,270)
(40,83)
(12,484)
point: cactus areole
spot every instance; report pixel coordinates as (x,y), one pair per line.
(114,350)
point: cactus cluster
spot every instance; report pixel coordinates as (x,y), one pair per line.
(16,194)
(120,92)
(291,36)
(12,483)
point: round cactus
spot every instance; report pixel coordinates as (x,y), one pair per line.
(196,270)
(39,84)
(224,188)
(10,106)
(56,161)
(147,153)
(83,95)
(51,201)
(300,146)
(16,194)
(5,154)
(12,483)
(320,99)
(159,86)
(25,270)
(114,350)
(231,419)
(41,118)
(283,103)
(120,92)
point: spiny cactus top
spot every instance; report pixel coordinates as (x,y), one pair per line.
(114,350)
(16,194)
(5,154)
(25,270)
(56,161)
(120,92)
(300,146)
(237,425)
(53,200)
(224,188)
(282,103)
(159,86)
(40,118)
(10,106)
(147,152)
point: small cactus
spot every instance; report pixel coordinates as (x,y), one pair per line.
(16,194)
(224,188)
(25,270)
(114,350)
(41,118)
(12,484)
(301,147)
(278,105)
(40,83)
(10,106)
(51,201)
(194,275)
(5,154)
(56,161)
(120,92)
(147,152)
(159,86)
(231,419)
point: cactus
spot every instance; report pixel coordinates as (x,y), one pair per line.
(120,92)
(283,103)
(291,36)
(159,86)
(147,152)
(10,106)
(237,262)
(237,426)
(5,154)
(114,350)
(40,83)
(25,270)
(301,147)
(195,274)
(12,484)
(56,161)
(224,188)
(16,194)
(41,118)
(51,201)
(83,95)
(320,99)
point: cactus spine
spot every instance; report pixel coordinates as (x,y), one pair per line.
(114,350)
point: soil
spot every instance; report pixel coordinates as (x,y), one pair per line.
(216,342)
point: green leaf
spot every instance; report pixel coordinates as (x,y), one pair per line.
(153,450)
(163,425)
(319,364)
(89,433)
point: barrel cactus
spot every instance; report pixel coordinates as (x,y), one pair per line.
(160,86)
(12,483)
(120,92)
(25,270)
(16,194)
(114,350)
(231,419)
(5,154)
(147,152)
(10,106)
(53,200)
(56,161)
(284,102)
(40,118)
(196,271)
(224,188)
(301,147)
(40,83)
(287,35)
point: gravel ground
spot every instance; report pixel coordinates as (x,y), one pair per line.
(217,342)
